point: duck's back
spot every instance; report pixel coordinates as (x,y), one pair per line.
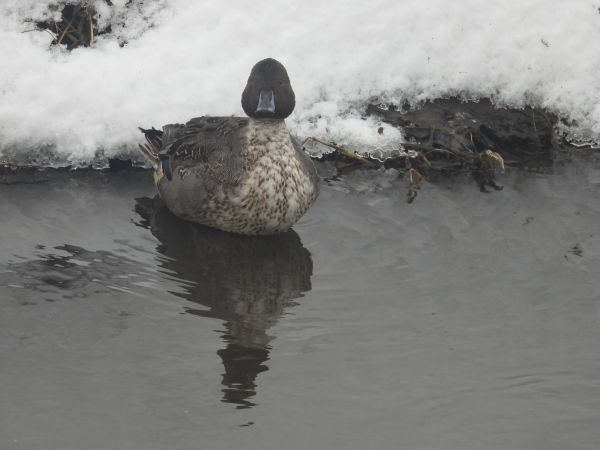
(235,174)
(214,144)
(201,160)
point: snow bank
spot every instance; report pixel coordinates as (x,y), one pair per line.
(185,59)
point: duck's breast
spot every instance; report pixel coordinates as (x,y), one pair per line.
(279,185)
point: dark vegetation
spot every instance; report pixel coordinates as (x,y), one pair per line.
(78,24)
(77,28)
(449,137)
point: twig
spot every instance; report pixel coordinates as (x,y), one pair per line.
(348,153)
(64,32)
(44,29)
(438,150)
(91,29)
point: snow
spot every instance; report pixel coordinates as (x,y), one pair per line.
(184,59)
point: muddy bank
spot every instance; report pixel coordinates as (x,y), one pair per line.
(450,137)
(444,138)
(17,172)
(524,137)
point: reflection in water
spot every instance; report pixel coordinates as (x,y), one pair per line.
(68,272)
(245,281)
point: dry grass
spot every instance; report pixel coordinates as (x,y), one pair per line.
(77,27)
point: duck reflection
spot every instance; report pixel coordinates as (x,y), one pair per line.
(246,281)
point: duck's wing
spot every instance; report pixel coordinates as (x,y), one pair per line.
(202,138)
(203,157)
(212,141)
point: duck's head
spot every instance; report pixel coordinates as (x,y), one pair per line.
(268,93)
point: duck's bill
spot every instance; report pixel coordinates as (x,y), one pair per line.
(266,102)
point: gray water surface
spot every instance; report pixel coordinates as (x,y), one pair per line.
(462,321)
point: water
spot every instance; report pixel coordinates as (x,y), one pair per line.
(462,321)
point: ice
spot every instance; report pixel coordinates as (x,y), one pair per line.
(184,59)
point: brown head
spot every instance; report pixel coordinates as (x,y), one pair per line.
(268,93)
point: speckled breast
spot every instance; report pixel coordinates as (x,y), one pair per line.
(278,186)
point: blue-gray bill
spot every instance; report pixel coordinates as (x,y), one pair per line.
(266,102)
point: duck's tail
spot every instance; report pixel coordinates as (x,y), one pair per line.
(151,148)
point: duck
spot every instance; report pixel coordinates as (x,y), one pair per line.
(244,175)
